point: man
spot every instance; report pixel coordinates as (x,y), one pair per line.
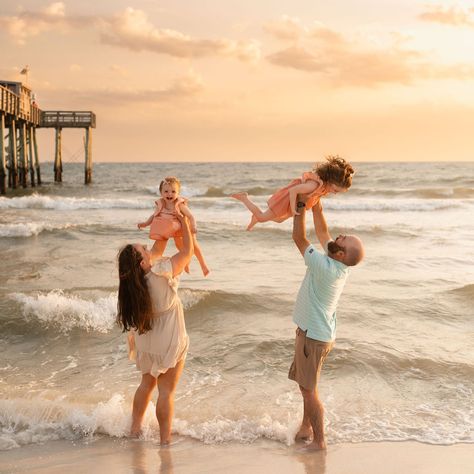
(315,312)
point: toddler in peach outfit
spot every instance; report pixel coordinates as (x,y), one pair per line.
(332,176)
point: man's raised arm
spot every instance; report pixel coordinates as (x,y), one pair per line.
(320,226)
(299,227)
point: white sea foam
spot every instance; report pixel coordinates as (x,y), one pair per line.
(185,191)
(28,229)
(28,421)
(69,311)
(37,201)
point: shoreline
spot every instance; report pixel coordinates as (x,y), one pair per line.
(185,455)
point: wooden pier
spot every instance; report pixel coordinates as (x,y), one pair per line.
(19,119)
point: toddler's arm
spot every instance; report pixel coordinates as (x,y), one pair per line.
(186,212)
(304,188)
(140,225)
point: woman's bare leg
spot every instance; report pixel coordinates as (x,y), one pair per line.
(158,249)
(140,402)
(167,383)
(200,257)
(257,214)
(180,246)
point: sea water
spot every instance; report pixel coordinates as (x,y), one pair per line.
(403,364)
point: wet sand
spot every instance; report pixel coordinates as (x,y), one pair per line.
(118,456)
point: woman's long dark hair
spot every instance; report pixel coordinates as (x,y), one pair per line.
(134,307)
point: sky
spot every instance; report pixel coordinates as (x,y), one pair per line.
(248,80)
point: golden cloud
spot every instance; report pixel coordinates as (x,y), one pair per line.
(339,61)
(454,15)
(130,29)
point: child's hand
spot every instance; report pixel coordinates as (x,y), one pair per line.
(140,225)
(193,228)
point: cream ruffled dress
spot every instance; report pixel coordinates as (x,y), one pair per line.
(167,342)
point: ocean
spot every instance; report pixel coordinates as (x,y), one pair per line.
(403,364)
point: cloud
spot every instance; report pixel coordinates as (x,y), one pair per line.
(130,29)
(286,28)
(28,24)
(455,16)
(185,87)
(340,61)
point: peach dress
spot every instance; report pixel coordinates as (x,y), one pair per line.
(165,223)
(167,342)
(279,202)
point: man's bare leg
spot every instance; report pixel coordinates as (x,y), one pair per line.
(315,411)
(305,433)
(257,214)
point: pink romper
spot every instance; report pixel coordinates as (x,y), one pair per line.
(279,202)
(165,223)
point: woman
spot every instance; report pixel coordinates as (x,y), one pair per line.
(149,307)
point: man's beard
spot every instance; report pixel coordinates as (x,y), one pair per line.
(334,248)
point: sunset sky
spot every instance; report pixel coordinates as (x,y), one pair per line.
(251,80)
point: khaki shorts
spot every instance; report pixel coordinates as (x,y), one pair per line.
(308,361)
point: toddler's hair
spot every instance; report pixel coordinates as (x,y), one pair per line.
(170,180)
(335,170)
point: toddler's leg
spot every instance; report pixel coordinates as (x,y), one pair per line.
(200,257)
(257,214)
(158,249)
(179,245)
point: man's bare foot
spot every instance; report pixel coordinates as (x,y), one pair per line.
(240,196)
(305,433)
(253,221)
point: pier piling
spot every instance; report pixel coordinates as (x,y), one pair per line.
(20,116)
(3,161)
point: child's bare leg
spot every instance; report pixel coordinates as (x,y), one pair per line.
(179,245)
(200,257)
(257,214)
(158,249)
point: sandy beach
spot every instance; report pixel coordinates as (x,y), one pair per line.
(189,456)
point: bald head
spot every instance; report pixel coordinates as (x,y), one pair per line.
(354,250)
(348,249)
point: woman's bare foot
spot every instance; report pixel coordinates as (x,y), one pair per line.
(135,433)
(305,433)
(314,447)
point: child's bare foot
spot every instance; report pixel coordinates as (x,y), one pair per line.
(186,268)
(205,270)
(253,221)
(305,433)
(240,196)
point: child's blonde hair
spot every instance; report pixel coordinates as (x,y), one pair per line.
(335,170)
(170,180)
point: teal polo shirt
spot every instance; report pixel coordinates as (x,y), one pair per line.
(315,307)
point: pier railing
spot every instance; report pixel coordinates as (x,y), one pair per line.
(58,119)
(12,104)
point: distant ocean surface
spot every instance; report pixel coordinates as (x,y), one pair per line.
(403,364)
